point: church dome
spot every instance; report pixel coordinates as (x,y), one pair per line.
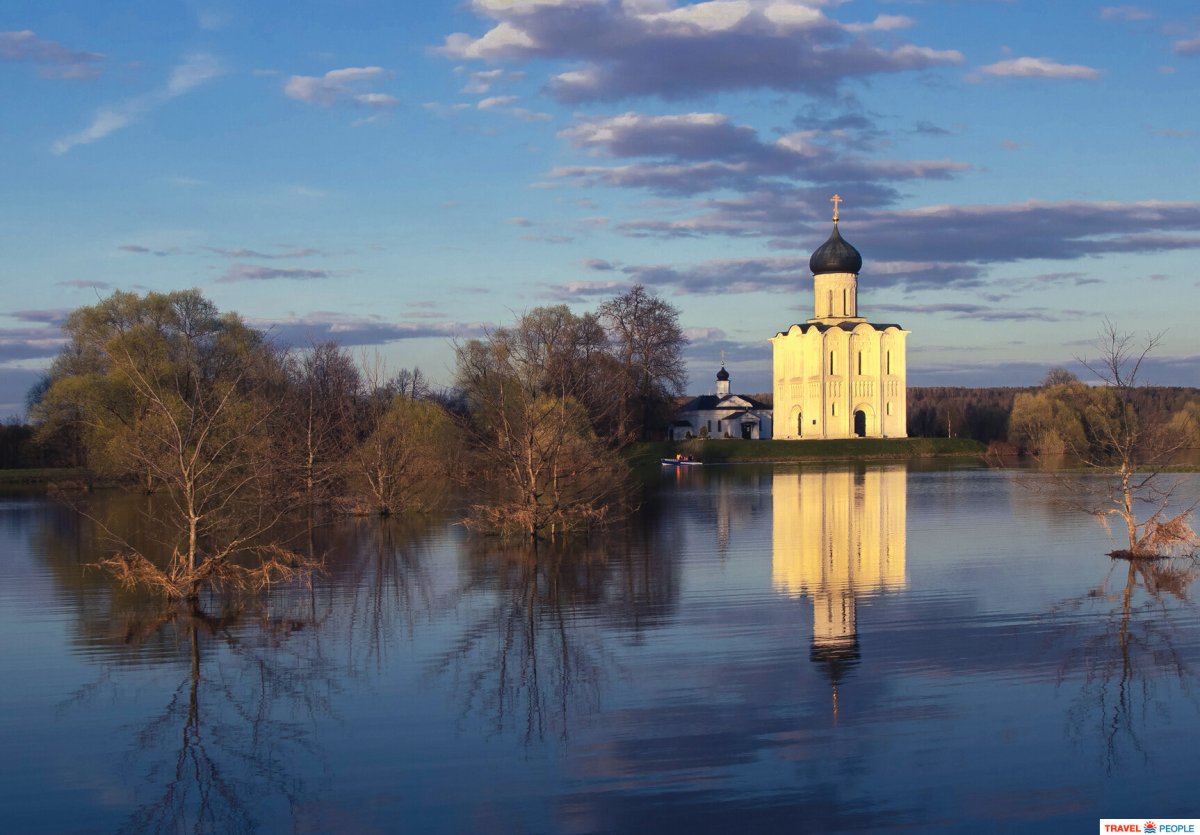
(835,256)
(722,375)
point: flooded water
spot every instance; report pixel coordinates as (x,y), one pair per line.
(762,649)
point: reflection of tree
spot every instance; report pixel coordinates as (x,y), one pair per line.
(1121,665)
(525,663)
(533,659)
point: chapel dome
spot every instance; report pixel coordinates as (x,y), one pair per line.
(835,256)
(722,375)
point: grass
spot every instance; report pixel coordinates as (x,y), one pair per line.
(42,475)
(847,449)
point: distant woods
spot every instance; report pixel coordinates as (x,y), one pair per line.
(165,393)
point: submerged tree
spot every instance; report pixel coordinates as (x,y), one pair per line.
(540,468)
(169,391)
(1103,429)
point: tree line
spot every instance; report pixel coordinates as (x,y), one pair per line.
(165,392)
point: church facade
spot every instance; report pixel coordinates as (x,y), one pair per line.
(838,375)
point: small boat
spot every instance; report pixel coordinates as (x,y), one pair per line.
(680,461)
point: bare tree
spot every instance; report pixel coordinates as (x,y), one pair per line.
(173,392)
(647,344)
(324,385)
(541,469)
(1130,452)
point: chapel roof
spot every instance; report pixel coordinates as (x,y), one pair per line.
(712,403)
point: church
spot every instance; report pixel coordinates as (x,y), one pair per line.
(838,375)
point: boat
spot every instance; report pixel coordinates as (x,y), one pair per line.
(680,461)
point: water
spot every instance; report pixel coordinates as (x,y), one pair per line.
(761,649)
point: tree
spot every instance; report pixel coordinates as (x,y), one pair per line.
(540,468)
(647,344)
(171,392)
(1129,448)
(405,460)
(324,387)
(1058,376)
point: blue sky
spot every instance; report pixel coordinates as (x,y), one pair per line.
(399,176)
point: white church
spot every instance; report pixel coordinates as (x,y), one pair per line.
(838,375)
(835,376)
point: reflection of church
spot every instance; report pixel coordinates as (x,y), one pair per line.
(837,375)
(838,536)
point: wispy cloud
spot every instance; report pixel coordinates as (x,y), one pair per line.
(251,272)
(84,284)
(53,60)
(194,71)
(305,252)
(1128,14)
(344,86)
(1039,68)
(1190,46)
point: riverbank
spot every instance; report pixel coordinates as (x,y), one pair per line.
(42,476)
(848,449)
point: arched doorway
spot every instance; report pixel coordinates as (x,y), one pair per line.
(860,423)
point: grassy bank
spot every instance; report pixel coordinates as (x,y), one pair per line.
(733,451)
(44,475)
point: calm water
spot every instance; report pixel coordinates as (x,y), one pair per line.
(762,649)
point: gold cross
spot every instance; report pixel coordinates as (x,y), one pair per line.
(722,359)
(837,198)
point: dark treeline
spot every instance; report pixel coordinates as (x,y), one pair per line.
(984,414)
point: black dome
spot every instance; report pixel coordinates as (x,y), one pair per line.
(835,256)
(722,375)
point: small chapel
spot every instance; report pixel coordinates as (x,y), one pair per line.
(838,375)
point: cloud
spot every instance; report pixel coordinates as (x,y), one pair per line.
(342,86)
(52,59)
(966,235)
(1125,13)
(251,253)
(349,331)
(194,71)
(988,313)
(83,284)
(1187,47)
(576,290)
(698,152)
(249,272)
(40,338)
(138,249)
(1039,68)
(505,104)
(619,50)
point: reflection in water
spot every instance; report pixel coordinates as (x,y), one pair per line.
(1135,648)
(838,535)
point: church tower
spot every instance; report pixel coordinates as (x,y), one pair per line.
(838,375)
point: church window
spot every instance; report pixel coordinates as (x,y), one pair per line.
(830,302)
(860,362)
(833,410)
(709,426)
(889,362)
(845,310)
(889,408)
(831,371)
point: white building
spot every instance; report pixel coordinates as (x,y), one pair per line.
(838,375)
(722,415)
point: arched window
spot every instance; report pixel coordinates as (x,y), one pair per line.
(831,371)
(860,363)
(889,362)
(845,312)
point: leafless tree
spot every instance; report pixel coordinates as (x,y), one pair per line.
(647,344)
(324,388)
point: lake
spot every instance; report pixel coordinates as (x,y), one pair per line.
(760,649)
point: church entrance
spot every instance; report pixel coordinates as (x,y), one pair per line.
(860,423)
(747,431)
(800,424)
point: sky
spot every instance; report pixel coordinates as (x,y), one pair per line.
(401,177)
